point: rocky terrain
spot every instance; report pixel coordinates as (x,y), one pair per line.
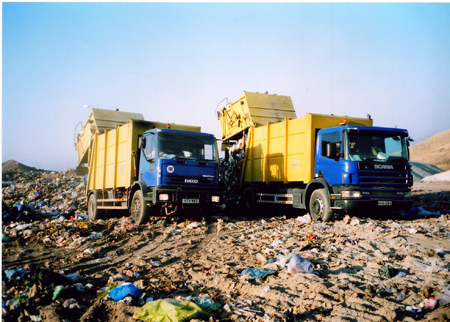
(278,266)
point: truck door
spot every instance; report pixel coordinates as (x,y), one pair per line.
(147,165)
(328,155)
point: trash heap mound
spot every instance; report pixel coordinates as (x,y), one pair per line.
(31,194)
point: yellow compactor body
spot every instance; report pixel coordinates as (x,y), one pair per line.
(126,168)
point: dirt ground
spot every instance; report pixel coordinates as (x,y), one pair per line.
(366,268)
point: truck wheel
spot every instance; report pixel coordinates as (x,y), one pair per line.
(249,200)
(139,209)
(319,205)
(93,212)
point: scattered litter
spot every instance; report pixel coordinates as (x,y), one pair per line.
(430,303)
(255,273)
(306,219)
(387,272)
(203,268)
(120,292)
(298,264)
(168,310)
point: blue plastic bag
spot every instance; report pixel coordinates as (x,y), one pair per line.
(10,273)
(120,292)
(40,204)
(19,207)
(254,273)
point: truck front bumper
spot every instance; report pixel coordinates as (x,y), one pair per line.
(371,205)
(184,198)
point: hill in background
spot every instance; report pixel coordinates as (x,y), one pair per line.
(435,150)
(12,167)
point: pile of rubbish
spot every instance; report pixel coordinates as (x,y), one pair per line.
(270,269)
(32,195)
(57,265)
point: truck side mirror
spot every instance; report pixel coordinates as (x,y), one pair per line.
(331,150)
(142,143)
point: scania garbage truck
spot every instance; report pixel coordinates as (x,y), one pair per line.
(322,163)
(145,167)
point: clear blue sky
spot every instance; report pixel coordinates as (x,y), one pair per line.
(174,62)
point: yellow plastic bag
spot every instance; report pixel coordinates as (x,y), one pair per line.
(168,311)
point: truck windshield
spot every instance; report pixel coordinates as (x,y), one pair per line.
(187,147)
(379,147)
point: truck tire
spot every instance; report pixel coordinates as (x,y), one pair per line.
(249,200)
(93,212)
(139,209)
(319,205)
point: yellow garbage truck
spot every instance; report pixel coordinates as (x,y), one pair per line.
(146,167)
(321,163)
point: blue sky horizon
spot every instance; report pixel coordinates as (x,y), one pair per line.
(174,62)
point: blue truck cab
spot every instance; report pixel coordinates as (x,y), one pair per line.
(364,167)
(177,170)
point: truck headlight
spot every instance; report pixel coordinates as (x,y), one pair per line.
(164,197)
(215,199)
(351,194)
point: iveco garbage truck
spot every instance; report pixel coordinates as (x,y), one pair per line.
(145,167)
(321,163)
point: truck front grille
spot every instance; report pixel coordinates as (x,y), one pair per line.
(383,184)
(189,181)
(383,178)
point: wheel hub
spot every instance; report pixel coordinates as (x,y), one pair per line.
(317,206)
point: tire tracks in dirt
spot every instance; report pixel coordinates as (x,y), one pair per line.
(153,248)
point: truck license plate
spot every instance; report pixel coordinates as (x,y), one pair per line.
(191,200)
(384,203)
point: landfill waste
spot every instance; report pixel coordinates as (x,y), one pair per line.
(38,195)
(445,299)
(387,272)
(431,303)
(14,273)
(401,296)
(261,258)
(208,304)
(255,273)
(120,292)
(265,291)
(168,310)
(298,264)
(57,265)
(306,219)
(417,312)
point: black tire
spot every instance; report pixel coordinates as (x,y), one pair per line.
(249,201)
(93,212)
(319,205)
(139,209)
